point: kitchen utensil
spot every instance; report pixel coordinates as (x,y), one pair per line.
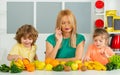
(115,41)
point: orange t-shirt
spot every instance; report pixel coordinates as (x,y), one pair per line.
(95,54)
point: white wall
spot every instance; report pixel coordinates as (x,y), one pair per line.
(7,40)
(113,5)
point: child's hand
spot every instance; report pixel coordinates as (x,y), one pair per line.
(17,57)
(87,58)
(104,53)
(58,35)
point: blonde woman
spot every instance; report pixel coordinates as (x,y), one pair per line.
(65,44)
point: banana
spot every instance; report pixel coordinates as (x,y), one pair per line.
(90,67)
(19,65)
(98,68)
(20,61)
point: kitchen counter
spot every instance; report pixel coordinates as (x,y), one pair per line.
(88,72)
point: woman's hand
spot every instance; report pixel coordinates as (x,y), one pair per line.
(58,35)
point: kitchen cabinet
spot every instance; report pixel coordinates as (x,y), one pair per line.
(112,22)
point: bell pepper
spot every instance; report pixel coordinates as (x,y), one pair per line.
(69,63)
(58,68)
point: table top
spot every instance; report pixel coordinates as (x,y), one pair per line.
(78,72)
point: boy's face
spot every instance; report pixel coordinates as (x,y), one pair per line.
(99,42)
(27,42)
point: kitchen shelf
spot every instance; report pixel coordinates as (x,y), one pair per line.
(117,51)
(114,32)
(99,13)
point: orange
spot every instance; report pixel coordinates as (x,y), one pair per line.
(48,60)
(30,67)
(25,61)
(80,65)
(54,63)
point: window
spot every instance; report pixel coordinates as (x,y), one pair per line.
(43,15)
(19,13)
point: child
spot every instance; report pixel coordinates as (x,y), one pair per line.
(65,44)
(26,37)
(99,50)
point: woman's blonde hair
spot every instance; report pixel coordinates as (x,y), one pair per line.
(26,31)
(73,23)
(103,33)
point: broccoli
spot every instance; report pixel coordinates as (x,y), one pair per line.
(4,68)
(111,66)
(15,69)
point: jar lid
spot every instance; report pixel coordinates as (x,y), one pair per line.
(99,23)
(99,4)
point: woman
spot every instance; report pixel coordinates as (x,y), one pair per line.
(65,44)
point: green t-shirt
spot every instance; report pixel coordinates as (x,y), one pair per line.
(65,51)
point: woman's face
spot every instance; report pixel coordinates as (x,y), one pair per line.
(66,26)
(27,42)
(99,42)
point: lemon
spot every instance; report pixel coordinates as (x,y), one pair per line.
(74,66)
(62,62)
(78,61)
(40,65)
(48,67)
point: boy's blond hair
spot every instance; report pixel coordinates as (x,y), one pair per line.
(26,31)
